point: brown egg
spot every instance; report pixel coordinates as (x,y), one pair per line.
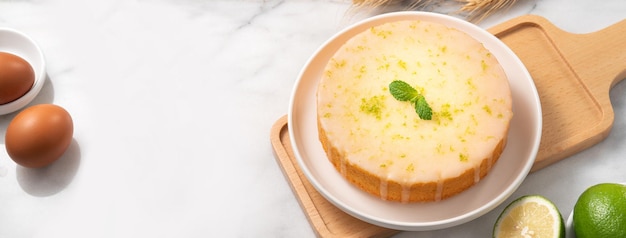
(16,77)
(39,135)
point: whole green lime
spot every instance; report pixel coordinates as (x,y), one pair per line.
(600,211)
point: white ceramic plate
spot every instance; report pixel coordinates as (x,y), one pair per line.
(498,185)
(17,43)
(569,228)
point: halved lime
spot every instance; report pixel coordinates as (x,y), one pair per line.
(530,216)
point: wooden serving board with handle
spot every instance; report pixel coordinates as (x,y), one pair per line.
(573,74)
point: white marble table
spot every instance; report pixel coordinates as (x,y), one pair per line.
(173,102)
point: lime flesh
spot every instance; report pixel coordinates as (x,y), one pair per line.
(530,216)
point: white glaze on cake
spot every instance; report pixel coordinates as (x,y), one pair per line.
(367,128)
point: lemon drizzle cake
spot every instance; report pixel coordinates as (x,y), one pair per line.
(380,144)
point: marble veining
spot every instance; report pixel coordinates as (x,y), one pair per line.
(173,102)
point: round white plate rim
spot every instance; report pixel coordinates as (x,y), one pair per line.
(25,47)
(491,42)
(569,229)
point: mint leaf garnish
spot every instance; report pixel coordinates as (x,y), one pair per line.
(423,109)
(402,91)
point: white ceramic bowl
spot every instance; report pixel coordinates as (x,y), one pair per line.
(504,178)
(569,226)
(17,43)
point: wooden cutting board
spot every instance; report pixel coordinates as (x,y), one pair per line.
(573,74)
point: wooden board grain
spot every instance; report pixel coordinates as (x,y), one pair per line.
(573,74)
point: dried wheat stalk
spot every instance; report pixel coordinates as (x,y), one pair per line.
(476,10)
